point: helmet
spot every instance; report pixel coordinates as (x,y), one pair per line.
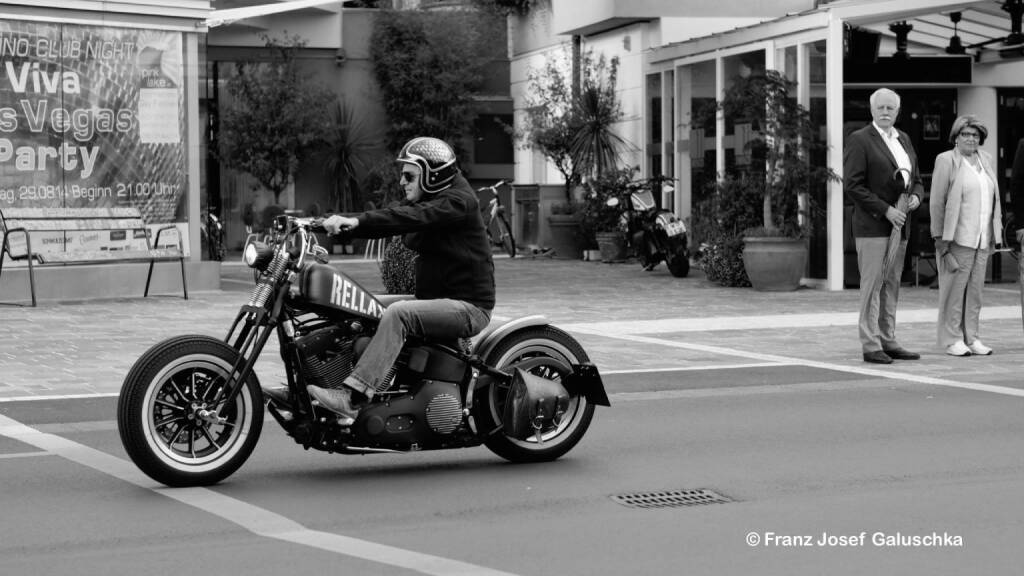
(436,160)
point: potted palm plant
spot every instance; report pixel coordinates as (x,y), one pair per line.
(602,222)
(784,142)
(573,127)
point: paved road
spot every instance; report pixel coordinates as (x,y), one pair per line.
(759,397)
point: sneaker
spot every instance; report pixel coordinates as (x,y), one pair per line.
(337,401)
(280,396)
(980,349)
(958,348)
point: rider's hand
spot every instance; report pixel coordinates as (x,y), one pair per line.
(913,203)
(335,224)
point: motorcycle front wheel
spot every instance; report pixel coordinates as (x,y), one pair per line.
(164,413)
(547,352)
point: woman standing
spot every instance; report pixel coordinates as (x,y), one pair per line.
(966,222)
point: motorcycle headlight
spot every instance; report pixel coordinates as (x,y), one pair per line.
(257,255)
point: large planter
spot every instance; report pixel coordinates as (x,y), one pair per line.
(612,246)
(774,264)
(564,236)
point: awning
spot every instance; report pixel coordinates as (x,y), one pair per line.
(241,9)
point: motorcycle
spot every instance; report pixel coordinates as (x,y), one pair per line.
(653,234)
(191,408)
(213,237)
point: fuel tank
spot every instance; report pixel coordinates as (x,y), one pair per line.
(331,291)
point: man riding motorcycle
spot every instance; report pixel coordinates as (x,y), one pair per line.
(440,219)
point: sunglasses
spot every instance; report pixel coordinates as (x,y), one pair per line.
(408,177)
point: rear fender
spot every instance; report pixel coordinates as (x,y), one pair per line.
(485,341)
(584,379)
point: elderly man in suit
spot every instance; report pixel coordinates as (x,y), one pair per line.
(879,164)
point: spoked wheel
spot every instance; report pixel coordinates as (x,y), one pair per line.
(168,422)
(546,352)
(504,236)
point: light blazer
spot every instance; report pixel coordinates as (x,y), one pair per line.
(868,169)
(955,216)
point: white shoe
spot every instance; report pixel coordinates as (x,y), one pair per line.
(958,348)
(338,401)
(980,349)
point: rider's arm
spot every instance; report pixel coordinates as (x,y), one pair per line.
(441,210)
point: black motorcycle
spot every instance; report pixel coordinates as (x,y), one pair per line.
(191,408)
(654,234)
(213,237)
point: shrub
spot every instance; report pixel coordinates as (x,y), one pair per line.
(598,216)
(398,267)
(730,208)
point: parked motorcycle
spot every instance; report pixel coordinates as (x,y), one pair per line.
(191,408)
(653,234)
(213,237)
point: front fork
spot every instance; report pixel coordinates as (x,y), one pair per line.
(254,325)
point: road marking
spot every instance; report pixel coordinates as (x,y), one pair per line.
(774,358)
(696,368)
(690,393)
(252,518)
(59,397)
(766,322)
(23,455)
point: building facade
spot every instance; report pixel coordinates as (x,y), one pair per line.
(837,53)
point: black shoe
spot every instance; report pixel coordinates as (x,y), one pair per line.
(901,354)
(280,395)
(877,357)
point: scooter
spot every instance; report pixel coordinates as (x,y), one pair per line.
(654,234)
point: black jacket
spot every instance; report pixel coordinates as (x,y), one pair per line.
(1017,186)
(447,230)
(868,169)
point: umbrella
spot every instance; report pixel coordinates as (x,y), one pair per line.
(893,247)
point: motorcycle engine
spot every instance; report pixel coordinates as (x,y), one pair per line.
(326,355)
(425,416)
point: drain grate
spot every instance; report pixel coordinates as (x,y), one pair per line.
(670,498)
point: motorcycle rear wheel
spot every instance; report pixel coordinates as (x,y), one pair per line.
(158,413)
(678,264)
(547,352)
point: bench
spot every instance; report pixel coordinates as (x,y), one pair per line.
(73,236)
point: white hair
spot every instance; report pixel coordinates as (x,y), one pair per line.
(881,91)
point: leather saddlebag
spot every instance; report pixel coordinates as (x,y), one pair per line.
(533,404)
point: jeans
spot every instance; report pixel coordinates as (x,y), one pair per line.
(440,319)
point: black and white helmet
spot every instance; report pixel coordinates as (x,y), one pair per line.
(436,160)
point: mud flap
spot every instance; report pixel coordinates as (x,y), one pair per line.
(533,404)
(586,380)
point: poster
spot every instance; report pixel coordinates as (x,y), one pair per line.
(931,130)
(92,117)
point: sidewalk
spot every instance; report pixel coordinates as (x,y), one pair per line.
(86,348)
